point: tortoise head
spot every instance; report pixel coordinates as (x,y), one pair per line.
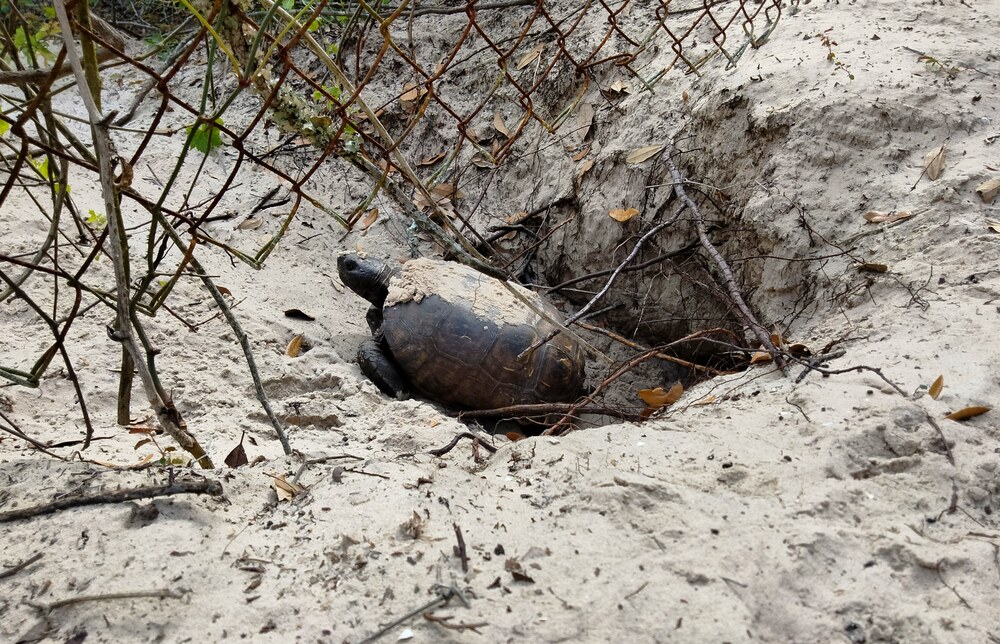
(368,277)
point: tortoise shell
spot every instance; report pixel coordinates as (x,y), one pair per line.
(457,334)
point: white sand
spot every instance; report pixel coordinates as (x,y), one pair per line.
(826,510)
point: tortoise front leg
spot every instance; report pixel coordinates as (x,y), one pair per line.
(376,364)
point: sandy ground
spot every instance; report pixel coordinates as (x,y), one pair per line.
(815,509)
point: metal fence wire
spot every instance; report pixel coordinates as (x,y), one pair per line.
(398,96)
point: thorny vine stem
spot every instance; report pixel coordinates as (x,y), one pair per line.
(730,280)
(118,251)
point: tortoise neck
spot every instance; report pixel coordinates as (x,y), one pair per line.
(380,285)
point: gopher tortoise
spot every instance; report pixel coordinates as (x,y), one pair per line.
(455,335)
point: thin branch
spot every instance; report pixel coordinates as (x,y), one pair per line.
(197,486)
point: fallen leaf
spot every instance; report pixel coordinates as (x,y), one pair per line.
(499,125)
(619,87)
(936,388)
(286,490)
(934,163)
(707,400)
(412,527)
(251,223)
(879,217)
(657,398)
(584,167)
(294,347)
(448,190)
(582,152)
(480,160)
(530,57)
(760,356)
(225,291)
(968,412)
(873,268)
(369,219)
(799,349)
(410,93)
(515,436)
(298,314)
(988,190)
(623,214)
(644,153)
(432,159)
(993,225)
(514,567)
(517,218)
(685,96)
(238,456)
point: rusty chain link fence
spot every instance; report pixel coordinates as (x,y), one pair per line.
(398,96)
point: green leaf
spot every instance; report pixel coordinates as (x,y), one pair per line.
(207,137)
(96,219)
(4,126)
(42,167)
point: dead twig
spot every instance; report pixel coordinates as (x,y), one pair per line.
(944,441)
(444,595)
(460,548)
(140,594)
(445,621)
(10,572)
(197,486)
(729,279)
(441,451)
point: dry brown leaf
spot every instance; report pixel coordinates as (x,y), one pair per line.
(238,456)
(480,160)
(879,217)
(369,219)
(413,527)
(873,268)
(988,190)
(760,356)
(225,291)
(934,163)
(685,96)
(582,152)
(286,490)
(657,398)
(499,125)
(968,412)
(623,214)
(515,436)
(936,388)
(619,87)
(584,167)
(251,223)
(517,218)
(799,349)
(642,154)
(707,400)
(294,347)
(432,159)
(530,57)
(447,190)
(993,224)
(411,92)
